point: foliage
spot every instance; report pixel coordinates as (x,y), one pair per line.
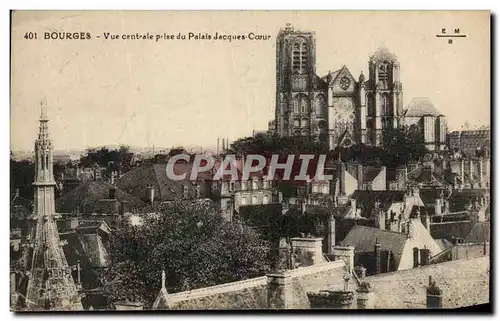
(22,176)
(191,242)
(103,157)
(267,144)
(399,147)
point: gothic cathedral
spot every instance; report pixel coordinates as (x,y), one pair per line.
(336,108)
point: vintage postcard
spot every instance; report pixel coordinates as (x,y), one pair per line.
(250,160)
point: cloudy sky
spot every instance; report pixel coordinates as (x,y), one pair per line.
(166,93)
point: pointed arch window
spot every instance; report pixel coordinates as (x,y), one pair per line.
(300,56)
(303,105)
(385,105)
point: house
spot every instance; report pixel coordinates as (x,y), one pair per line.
(151,184)
(98,197)
(382,251)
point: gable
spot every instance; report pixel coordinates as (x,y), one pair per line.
(343,82)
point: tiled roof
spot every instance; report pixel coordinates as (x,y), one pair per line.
(444,244)
(383,54)
(331,76)
(87,198)
(363,238)
(480,233)
(464,283)
(422,106)
(137,180)
(367,199)
(450,230)
(369,172)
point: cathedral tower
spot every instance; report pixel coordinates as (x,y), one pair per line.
(384,93)
(50,284)
(301,107)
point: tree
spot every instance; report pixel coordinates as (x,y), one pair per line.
(399,147)
(190,241)
(268,144)
(116,158)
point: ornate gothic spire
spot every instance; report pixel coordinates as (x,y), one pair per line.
(50,283)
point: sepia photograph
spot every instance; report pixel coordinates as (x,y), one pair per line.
(250,160)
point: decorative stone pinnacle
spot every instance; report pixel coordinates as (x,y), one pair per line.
(163,277)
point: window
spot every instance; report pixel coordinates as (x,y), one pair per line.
(315,189)
(303,105)
(185,191)
(299,56)
(243,185)
(296,123)
(255,200)
(383,72)
(265,183)
(326,189)
(243,201)
(385,105)
(198,191)
(254,184)
(265,199)
(231,186)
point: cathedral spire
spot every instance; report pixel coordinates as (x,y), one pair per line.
(43,109)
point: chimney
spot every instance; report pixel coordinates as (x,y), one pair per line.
(353,206)
(360,176)
(112,193)
(150,191)
(378,257)
(360,272)
(309,249)
(471,171)
(446,206)
(425,256)
(365,296)
(427,221)
(218,150)
(345,253)
(462,170)
(331,234)
(401,177)
(381,219)
(341,178)
(438,207)
(73,223)
(112,179)
(434,295)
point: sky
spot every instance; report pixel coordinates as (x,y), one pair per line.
(189,93)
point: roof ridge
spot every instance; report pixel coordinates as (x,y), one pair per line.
(375,228)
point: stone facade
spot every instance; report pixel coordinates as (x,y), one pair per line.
(337,108)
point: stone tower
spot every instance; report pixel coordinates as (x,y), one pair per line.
(50,284)
(301,103)
(384,96)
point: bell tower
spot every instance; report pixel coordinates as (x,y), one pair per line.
(384,95)
(295,76)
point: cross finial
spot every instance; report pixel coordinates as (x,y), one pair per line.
(163,277)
